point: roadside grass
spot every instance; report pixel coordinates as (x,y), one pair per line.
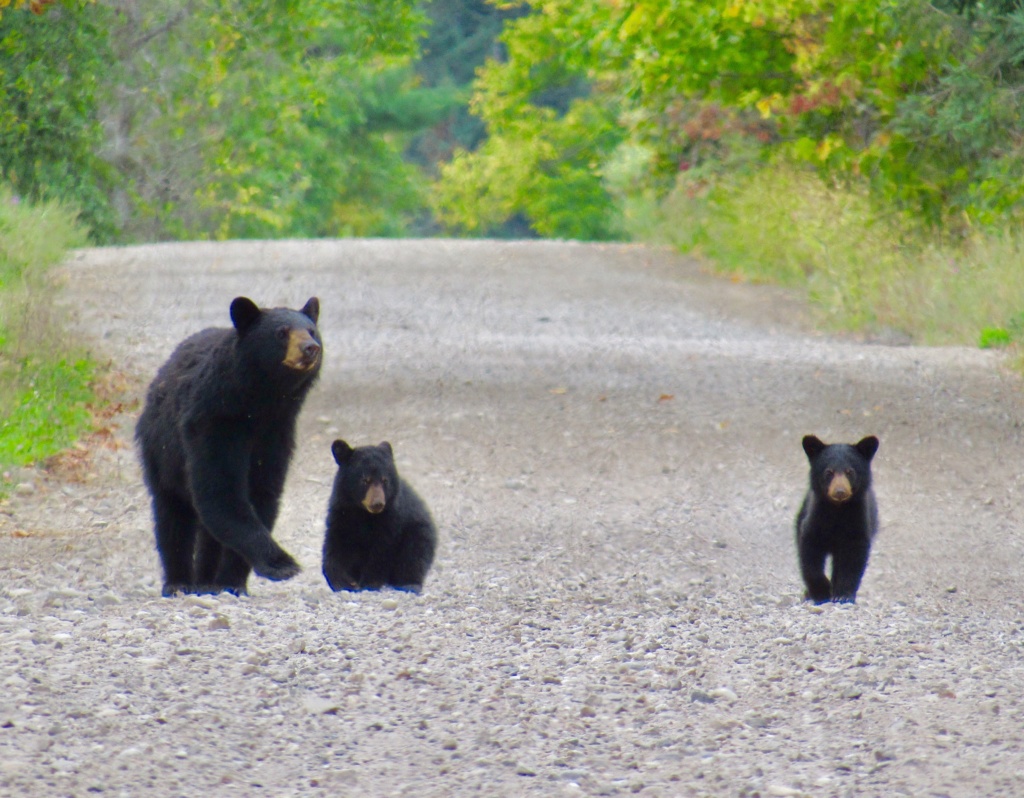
(46,381)
(862,270)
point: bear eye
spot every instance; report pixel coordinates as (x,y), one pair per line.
(849,474)
(384,481)
(829,473)
(365,481)
(282,333)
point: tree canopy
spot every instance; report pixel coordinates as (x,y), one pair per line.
(921,100)
(216,118)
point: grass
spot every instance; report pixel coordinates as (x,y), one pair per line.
(46,382)
(862,269)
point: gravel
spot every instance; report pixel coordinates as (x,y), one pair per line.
(609,441)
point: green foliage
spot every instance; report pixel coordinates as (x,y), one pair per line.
(547,138)
(265,119)
(459,37)
(45,384)
(920,101)
(862,270)
(994,337)
(33,238)
(50,411)
(50,130)
(217,118)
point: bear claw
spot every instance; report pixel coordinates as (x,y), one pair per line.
(278,570)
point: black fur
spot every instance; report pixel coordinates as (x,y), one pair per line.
(216,436)
(842,525)
(393,546)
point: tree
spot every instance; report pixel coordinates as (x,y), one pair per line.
(921,100)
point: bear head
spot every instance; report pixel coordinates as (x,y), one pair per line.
(279,342)
(840,471)
(366,476)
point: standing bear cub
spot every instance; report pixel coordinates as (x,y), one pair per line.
(839,517)
(216,436)
(379,531)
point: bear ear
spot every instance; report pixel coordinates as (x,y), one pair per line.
(342,452)
(244,313)
(312,309)
(867,447)
(812,446)
(386,447)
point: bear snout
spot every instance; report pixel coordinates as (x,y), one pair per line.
(303,351)
(839,489)
(374,501)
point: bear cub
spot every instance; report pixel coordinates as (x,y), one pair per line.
(379,531)
(838,517)
(215,438)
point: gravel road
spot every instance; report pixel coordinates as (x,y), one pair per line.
(610,443)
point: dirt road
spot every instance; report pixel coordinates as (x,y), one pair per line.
(610,443)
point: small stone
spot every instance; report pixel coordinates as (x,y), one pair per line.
(219,622)
(449,744)
(316,705)
(700,697)
(724,693)
(588,712)
(24,489)
(783,792)
(389,604)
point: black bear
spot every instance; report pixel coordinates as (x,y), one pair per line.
(216,436)
(839,517)
(379,531)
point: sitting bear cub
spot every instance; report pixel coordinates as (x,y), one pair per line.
(379,531)
(215,438)
(839,517)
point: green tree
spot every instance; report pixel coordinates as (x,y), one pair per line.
(50,128)
(216,118)
(244,119)
(919,99)
(548,135)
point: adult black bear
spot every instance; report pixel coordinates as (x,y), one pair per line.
(839,517)
(216,436)
(379,531)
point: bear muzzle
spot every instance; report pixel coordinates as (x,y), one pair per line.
(303,353)
(839,489)
(374,501)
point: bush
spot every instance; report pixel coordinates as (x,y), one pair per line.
(45,381)
(862,269)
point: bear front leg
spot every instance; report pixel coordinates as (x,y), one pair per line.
(233,573)
(848,566)
(812,569)
(412,560)
(218,472)
(337,577)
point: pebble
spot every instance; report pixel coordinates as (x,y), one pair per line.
(319,706)
(724,693)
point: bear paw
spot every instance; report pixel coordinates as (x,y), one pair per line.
(278,568)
